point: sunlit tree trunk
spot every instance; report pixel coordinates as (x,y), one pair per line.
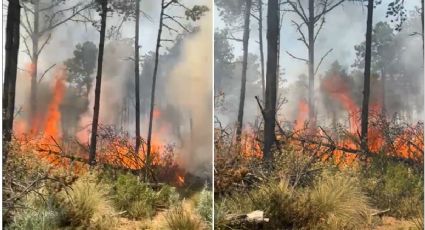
(310,27)
(422,19)
(155,72)
(34,64)
(244,68)
(260,41)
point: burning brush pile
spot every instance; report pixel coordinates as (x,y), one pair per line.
(115,148)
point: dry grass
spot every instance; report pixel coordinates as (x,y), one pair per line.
(179,218)
(334,201)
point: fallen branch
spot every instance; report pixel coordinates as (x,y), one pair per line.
(256,217)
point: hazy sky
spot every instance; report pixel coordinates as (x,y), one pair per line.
(345,27)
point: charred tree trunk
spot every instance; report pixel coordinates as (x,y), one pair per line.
(136,77)
(310,26)
(92,154)
(260,41)
(34,65)
(155,72)
(366,87)
(271,76)
(11,65)
(244,68)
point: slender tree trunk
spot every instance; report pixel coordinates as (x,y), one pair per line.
(384,108)
(92,154)
(34,67)
(11,65)
(366,89)
(310,26)
(136,75)
(422,19)
(260,41)
(155,72)
(271,76)
(244,68)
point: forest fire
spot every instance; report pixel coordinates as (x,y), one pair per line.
(180,180)
(250,146)
(302,117)
(117,150)
(405,141)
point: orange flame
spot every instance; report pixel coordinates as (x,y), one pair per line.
(180,180)
(52,127)
(303,111)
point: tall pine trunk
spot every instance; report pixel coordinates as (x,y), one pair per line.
(244,68)
(92,154)
(366,87)
(422,19)
(11,65)
(271,76)
(384,82)
(155,72)
(34,66)
(310,26)
(260,41)
(136,76)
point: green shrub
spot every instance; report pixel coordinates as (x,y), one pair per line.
(35,219)
(204,206)
(166,196)
(220,212)
(396,186)
(84,205)
(139,199)
(134,197)
(179,219)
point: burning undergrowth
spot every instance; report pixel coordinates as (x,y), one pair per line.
(309,164)
(45,137)
(181,141)
(391,137)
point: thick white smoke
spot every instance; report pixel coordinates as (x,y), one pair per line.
(190,89)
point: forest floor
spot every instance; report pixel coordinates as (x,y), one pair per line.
(391,223)
(158,221)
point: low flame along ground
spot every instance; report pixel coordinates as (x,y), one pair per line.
(120,151)
(44,136)
(405,145)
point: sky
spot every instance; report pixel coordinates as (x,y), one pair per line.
(344,28)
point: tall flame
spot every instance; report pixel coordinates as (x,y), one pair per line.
(52,126)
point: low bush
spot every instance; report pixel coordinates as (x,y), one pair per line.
(337,202)
(204,205)
(333,201)
(139,199)
(86,198)
(35,219)
(84,205)
(177,219)
(394,186)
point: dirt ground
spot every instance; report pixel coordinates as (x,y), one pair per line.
(156,223)
(391,223)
